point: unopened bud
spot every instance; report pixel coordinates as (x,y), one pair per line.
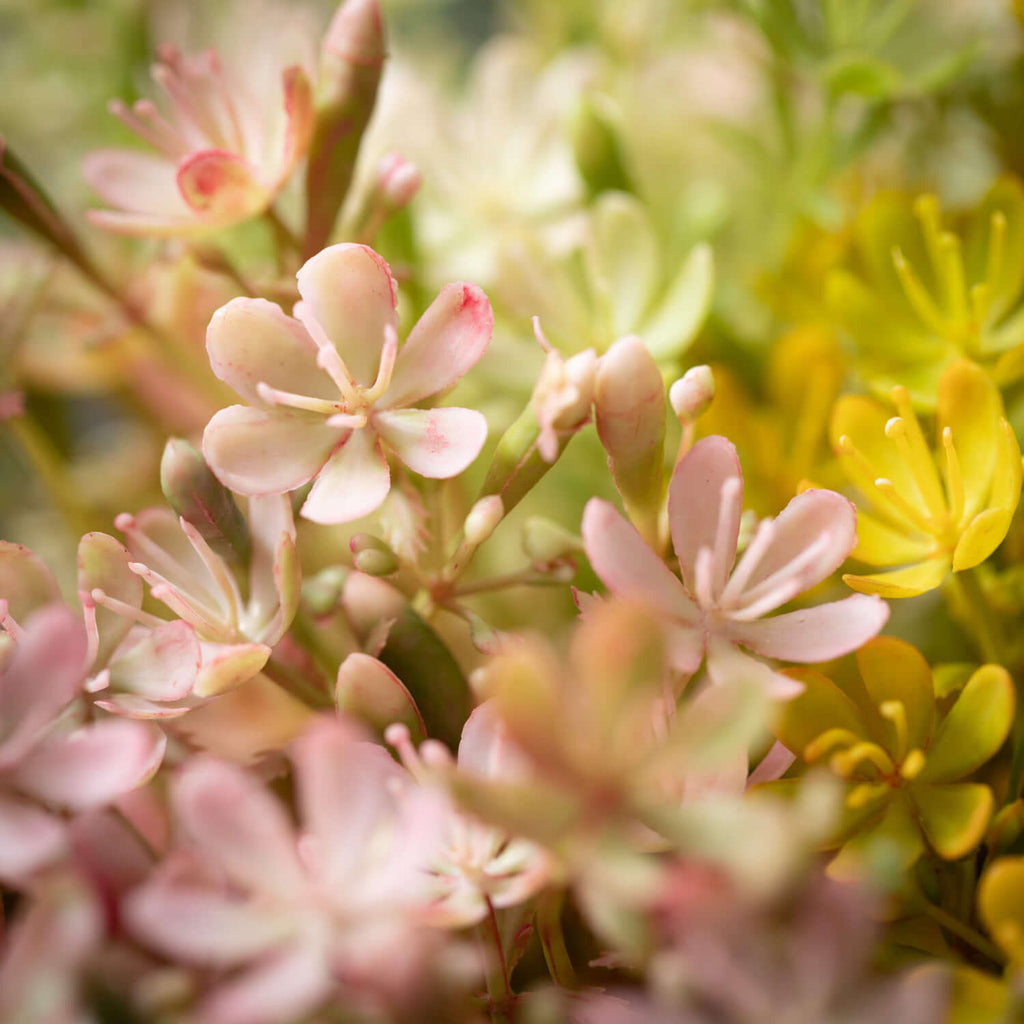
(397,182)
(201,499)
(321,593)
(691,396)
(545,541)
(483,519)
(371,555)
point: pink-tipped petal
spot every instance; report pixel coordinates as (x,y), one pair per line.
(627,566)
(485,748)
(93,765)
(820,633)
(728,665)
(285,987)
(220,186)
(25,582)
(29,839)
(694,505)
(256,452)
(202,926)
(135,182)
(436,443)
(345,796)
(353,484)
(160,664)
(808,517)
(252,340)
(350,291)
(239,826)
(446,342)
(226,666)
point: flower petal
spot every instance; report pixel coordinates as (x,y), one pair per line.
(93,765)
(256,452)
(352,484)
(894,671)
(135,182)
(446,342)
(253,340)
(367,689)
(695,505)
(220,187)
(953,817)
(29,839)
(351,293)
(25,582)
(880,544)
(226,666)
(814,634)
(436,443)
(202,926)
(239,826)
(160,663)
(627,566)
(908,582)
(727,664)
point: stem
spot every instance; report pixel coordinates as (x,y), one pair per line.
(296,686)
(964,932)
(980,616)
(499,987)
(282,233)
(552,939)
(523,578)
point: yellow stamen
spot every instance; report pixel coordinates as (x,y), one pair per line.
(912,765)
(847,762)
(862,794)
(896,714)
(919,458)
(996,247)
(953,276)
(981,298)
(828,739)
(887,491)
(954,478)
(929,214)
(917,294)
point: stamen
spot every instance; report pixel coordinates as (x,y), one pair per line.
(222,579)
(398,736)
(861,795)
(347,420)
(125,610)
(702,570)
(912,764)
(917,294)
(981,299)
(327,357)
(226,96)
(92,633)
(726,530)
(928,213)
(192,114)
(784,584)
(848,761)
(275,396)
(542,338)
(762,540)
(896,714)
(148,551)
(165,140)
(919,461)
(953,275)
(887,490)
(996,247)
(827,740)
(388,354)
(954,477)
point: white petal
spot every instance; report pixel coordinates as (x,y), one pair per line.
(354,482)
(728,664)
(436,443)
(136,182)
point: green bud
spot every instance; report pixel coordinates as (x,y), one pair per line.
(371,555)
(545,541)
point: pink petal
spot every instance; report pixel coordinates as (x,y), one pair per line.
(436,443)
(354,482)
(136,182)
(352,295)
(239,826)
(274,571)
(226,666)
(45,673)
(25,582)
(201,926)
(773,765)
(285,987)
(145,225)
(808,517)
(820,633)
(220,186)
(160,663)
(345,797)
(252,340)
(485,748)
(627,566)
(694,506)
(29,839)
(446,342)
(727,663)
(93,765)
(256,452)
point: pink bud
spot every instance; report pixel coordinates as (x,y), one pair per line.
(692,394)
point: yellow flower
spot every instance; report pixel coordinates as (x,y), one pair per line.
(917,295)
(926,520)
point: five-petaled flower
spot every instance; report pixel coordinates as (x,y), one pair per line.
(327,387)
(720,604)
(225,151)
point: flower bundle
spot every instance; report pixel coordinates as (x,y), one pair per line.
(541,550)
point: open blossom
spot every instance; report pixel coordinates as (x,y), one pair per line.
(720,604)
(296,915)
(328,387)
(225,150)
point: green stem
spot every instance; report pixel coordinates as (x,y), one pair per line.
(964,932)
(552,939)
(980,616)
(296,686)
(499,987)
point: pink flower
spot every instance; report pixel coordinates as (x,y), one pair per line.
(720,604)
(294,915)
(326,389)
(225,150)
(46,757)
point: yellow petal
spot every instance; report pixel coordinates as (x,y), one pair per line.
(895,843)
(1001,904)
(820,708)
(1006,197)
(880,544)
(984,534)
(953,817)
(908,582)
(895,672)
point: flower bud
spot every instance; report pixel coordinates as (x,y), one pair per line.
(350,66)
(397,182)
(371,555)
(692,394)
(321,593)
(201,499)
(545,541)
(483,519)
(629,407)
